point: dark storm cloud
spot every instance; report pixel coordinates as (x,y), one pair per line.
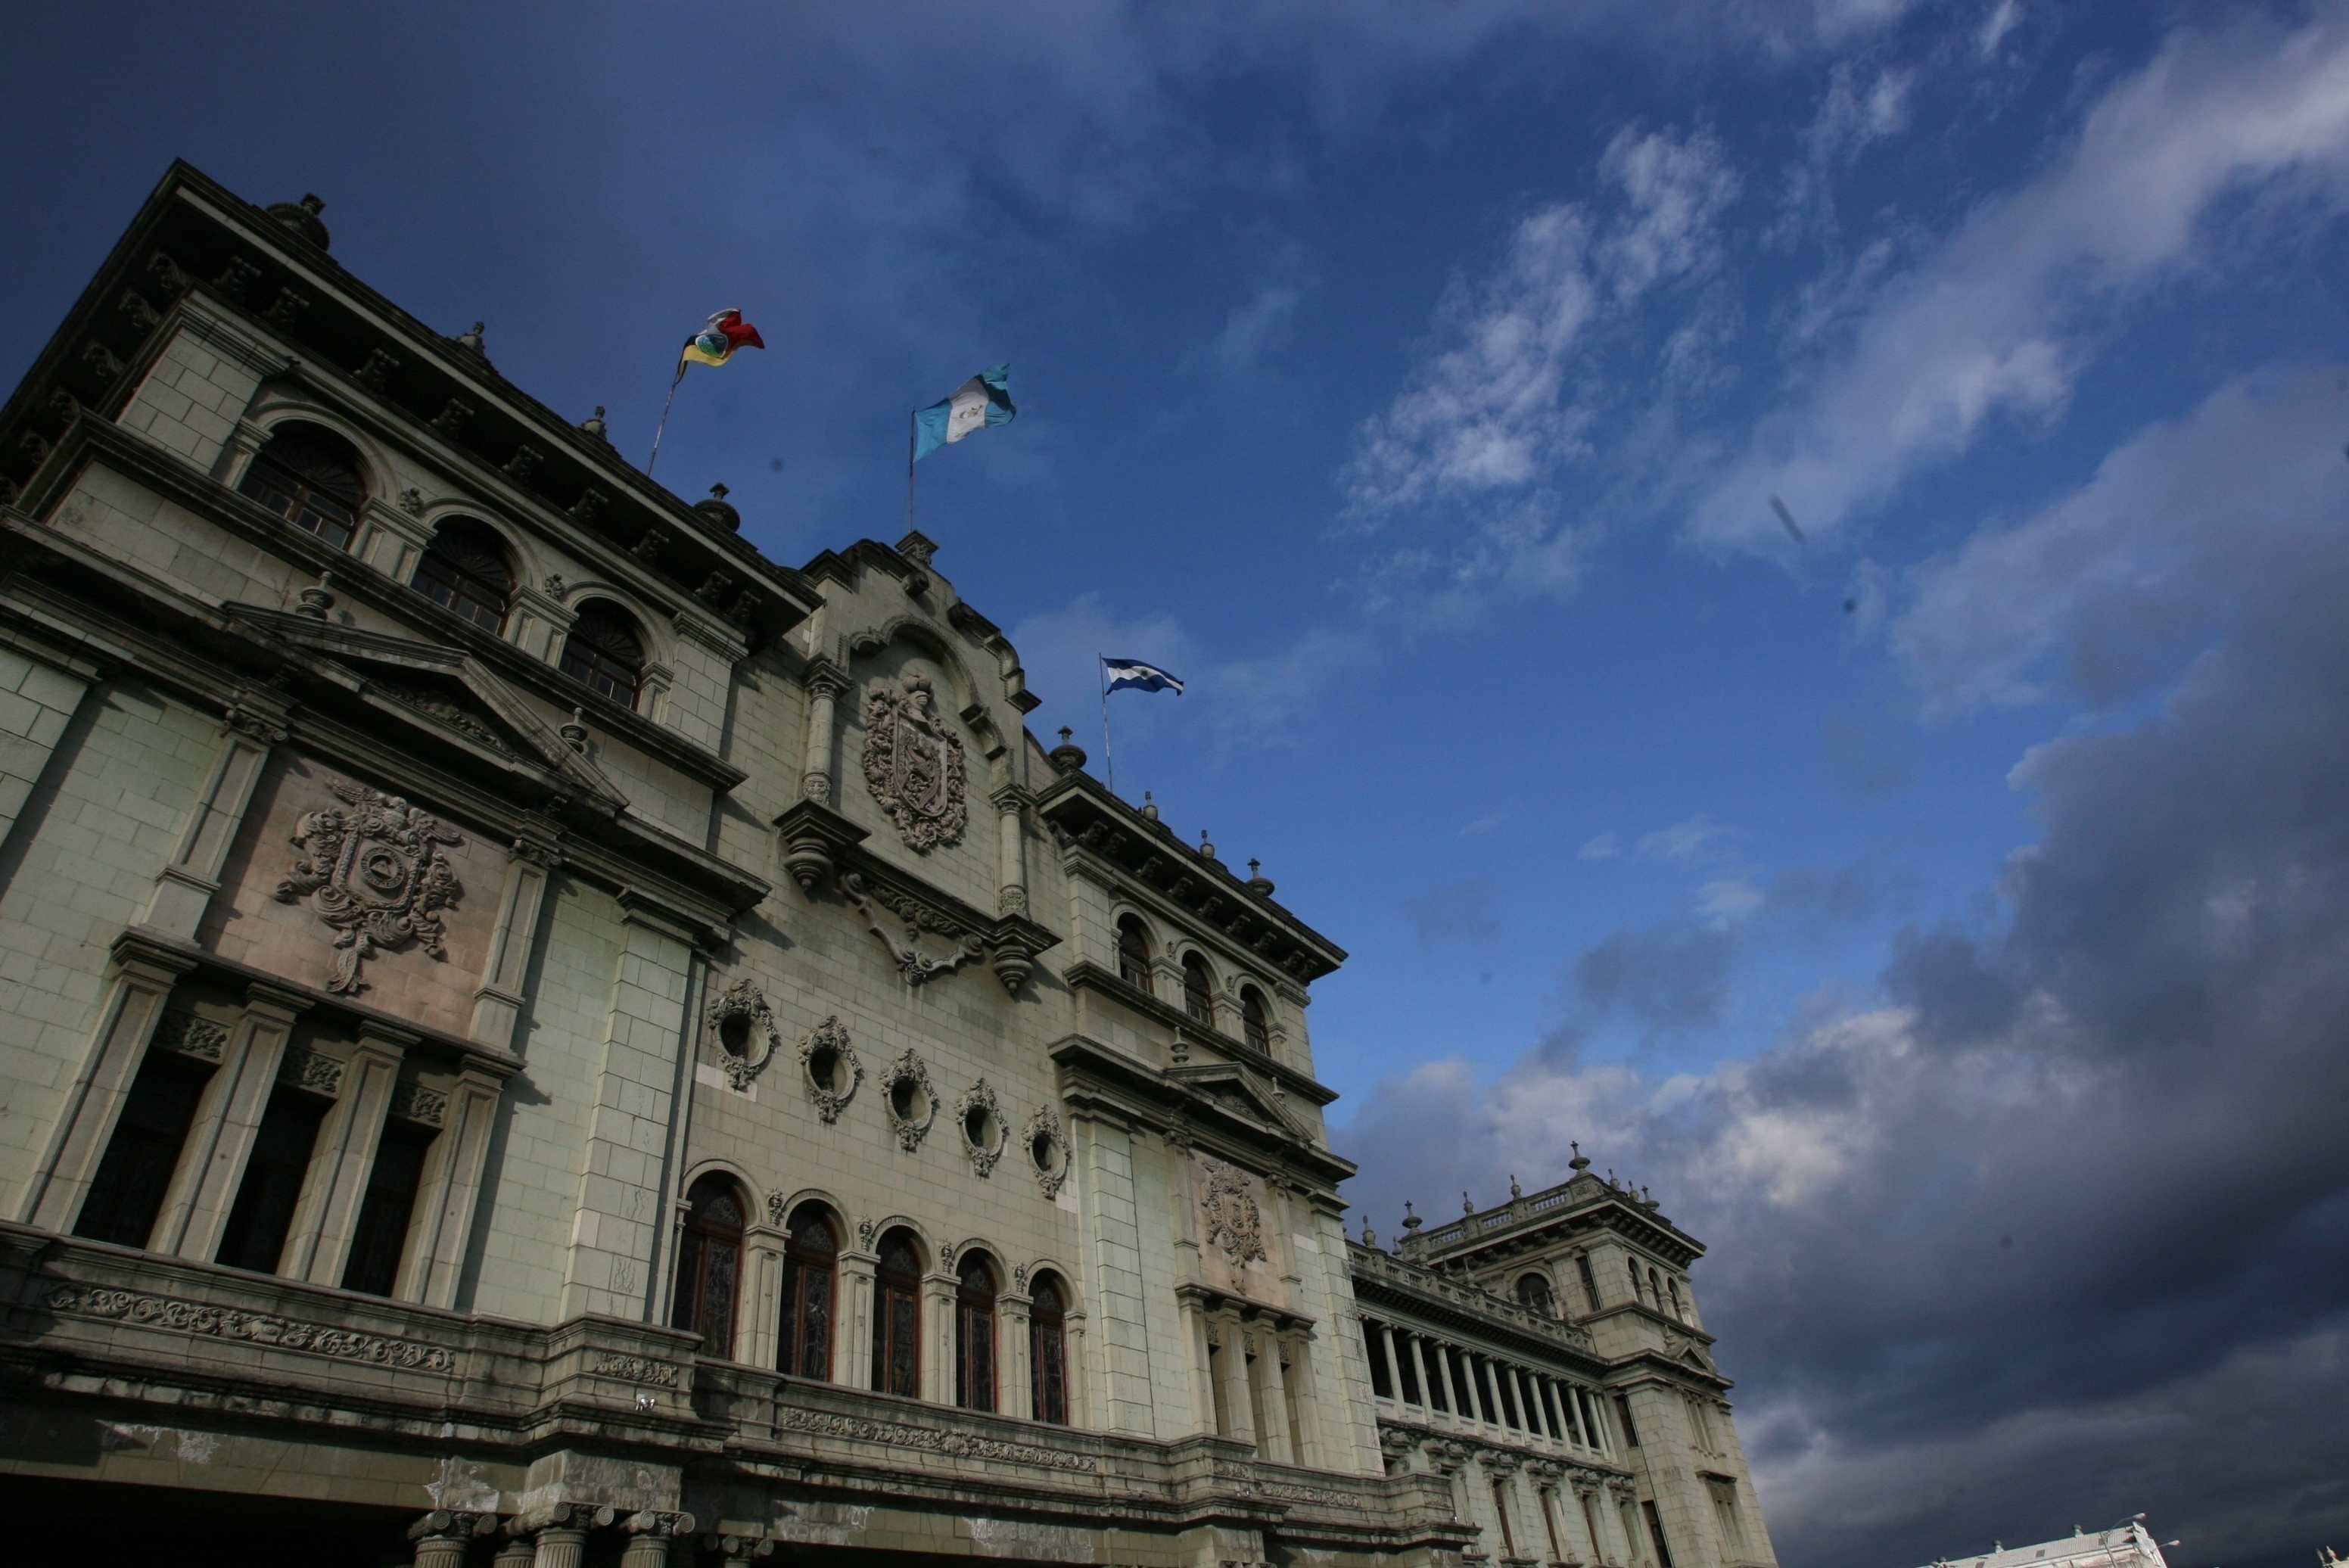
(2057,1234)
(1673,974)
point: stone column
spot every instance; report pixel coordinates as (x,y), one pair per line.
(760,1299)
(1238,1408)
(143,978)
(1530,1404)
(517,1552)
(937,1331)
(1015,1378)
(1276,1441)
(1394,1367)
(442,1538)
(318,1245)
(448,1190)
(824,686)
(498,1000)
(1306,1435)
(852,1331)
(1426,1387)
(228,1116)
(650,1537)
(184,888)
(1011,891)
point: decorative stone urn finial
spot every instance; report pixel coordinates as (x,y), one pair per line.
(1580,1162)
(473,339)
(1149,807)
(1206,850)
(302,217)
(1411,1222)
(1259,883)
(1067,756)
(593,424)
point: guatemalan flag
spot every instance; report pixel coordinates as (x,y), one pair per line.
(978,403)
(1133,675)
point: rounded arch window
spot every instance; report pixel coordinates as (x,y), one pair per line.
(811,1265)
(1533,1294)
(974,1332)
(898,1316)
(604,654)
(1254,1026)
(310,478)
(1132,954)
(1047,1347)
(1198,1000)
(466,571)
(709,1263)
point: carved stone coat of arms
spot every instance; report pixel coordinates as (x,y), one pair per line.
(376,873)
(914,762)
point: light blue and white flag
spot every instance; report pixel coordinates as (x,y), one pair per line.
(982,401)
(1133,675)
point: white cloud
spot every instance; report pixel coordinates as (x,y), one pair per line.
(1685,841)
(1727,900)
(1605,847)
(1998,323)
(2003,18)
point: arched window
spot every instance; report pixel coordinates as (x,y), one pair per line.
(1048,1350)
(1132,954)
(604,654)
(709,1263)
(1532,1291)
(311,478)
(897,1317)
(466,571)
(1656,1290)
(1198,1000)
(1679,1308)
(975,1333)
(1253,1028)
(811,1263)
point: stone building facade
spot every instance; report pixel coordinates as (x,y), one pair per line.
(532,1034)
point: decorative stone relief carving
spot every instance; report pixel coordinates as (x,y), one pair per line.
(961,1444)
(946,1251)
(745,1003)
(310,1070)
(914,966)
(261,1327)
(830,1096)
(191,1037)
(434,705)
(1230,1219)
(776,1199)
(1048,1151)
(376,874)
(865,1233)
(411,1102)
(907,1096)
(979,1112)
(914,762)
(635,1369)
(1020,1279)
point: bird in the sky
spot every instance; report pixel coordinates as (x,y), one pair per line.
(1787,517)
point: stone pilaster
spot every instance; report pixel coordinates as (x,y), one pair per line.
(1239,1406)
(1011,889)
(1300,1377)
(826,684)
(143,978)
(449,1191)
(938,1371)
(318,1245)
(1272,1397)
(1015,1377)
(228,1116)
(185,886)
(852,1332)
(498,1000)
(760,1334)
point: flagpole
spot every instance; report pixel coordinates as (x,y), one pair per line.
(678,381)
(912,429)
(1108,761)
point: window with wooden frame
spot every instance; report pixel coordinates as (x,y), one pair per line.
(1198,1000)
(1048,1350)
(466,571)
(1254,1028)
(311,478)
(604,652)
(811,1265)
(709,1265)
(1132,954)
(897,1317)
(975,1333)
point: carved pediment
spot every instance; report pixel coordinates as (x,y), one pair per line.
(446,690)
(1237,1092)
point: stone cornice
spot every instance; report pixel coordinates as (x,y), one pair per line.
(202,229)
(1570,1210)
(1086,975)
(1093,1074)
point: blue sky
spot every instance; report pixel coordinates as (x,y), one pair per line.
(1942,914)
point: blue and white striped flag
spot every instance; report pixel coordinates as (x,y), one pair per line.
(1133,675)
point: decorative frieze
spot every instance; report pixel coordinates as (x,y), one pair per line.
(260,1328)
(634,1370)
(962,1445)
(191,1037)
(311,1070)
(411,1102)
